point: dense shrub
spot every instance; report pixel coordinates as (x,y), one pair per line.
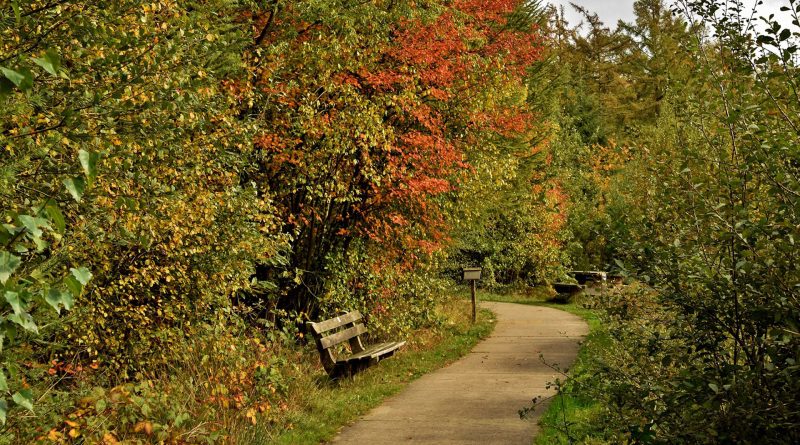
(172,168)
(369,134)
(708,353)
(122,163)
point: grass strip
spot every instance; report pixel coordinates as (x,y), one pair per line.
(569,417)
(324,406)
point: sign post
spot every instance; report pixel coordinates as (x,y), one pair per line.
(472,274)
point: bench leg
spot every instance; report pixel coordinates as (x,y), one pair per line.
(348,370)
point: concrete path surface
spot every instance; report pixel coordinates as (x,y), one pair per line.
(476,399)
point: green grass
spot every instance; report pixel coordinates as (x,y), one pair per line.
(324,406)
(570,415)
(320,407)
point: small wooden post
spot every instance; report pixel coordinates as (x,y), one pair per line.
(474,310)
(472,274)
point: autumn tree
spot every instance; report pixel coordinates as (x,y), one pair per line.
(122,159)
(373,116)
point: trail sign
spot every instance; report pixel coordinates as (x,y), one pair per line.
(472,274)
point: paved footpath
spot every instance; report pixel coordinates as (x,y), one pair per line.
(476,399)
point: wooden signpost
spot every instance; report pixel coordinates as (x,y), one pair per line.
(472,274)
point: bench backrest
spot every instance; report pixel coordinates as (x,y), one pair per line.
(337,330)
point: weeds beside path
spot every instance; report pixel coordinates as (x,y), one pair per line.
(476,400)
(322,406)
(568,417)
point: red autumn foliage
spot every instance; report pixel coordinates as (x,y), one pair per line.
(335,177)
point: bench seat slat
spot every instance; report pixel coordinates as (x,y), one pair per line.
(334,323)
(347,328)
(375,351)
(342,336)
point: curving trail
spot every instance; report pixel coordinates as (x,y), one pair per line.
(475,400)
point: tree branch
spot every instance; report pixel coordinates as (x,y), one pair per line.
(263,34)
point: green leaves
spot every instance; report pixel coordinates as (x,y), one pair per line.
(13,299)
(58,298)
(73,285)
(34,228)
(25,320)
(100,405)
(51,62)
(82,274)
(17,12)
(24,398)
(89,164)
(8,264)
(21,78)
(156,107)
(75,186)
(34,224)
(56,217)
(6,87)
(20,299)
(711,215)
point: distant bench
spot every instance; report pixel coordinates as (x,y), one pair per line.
(347,328)
(593,278)
(568,288)
(565,291)
(586,276)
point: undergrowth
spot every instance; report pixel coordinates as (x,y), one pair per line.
(234,385)
(571,415)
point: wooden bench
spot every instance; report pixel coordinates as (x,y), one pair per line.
(565,291)
(347,328)
(586,276)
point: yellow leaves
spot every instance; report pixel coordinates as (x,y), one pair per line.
(42,119)
(118,394)
(143,427)
(251,415)
(54,435)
